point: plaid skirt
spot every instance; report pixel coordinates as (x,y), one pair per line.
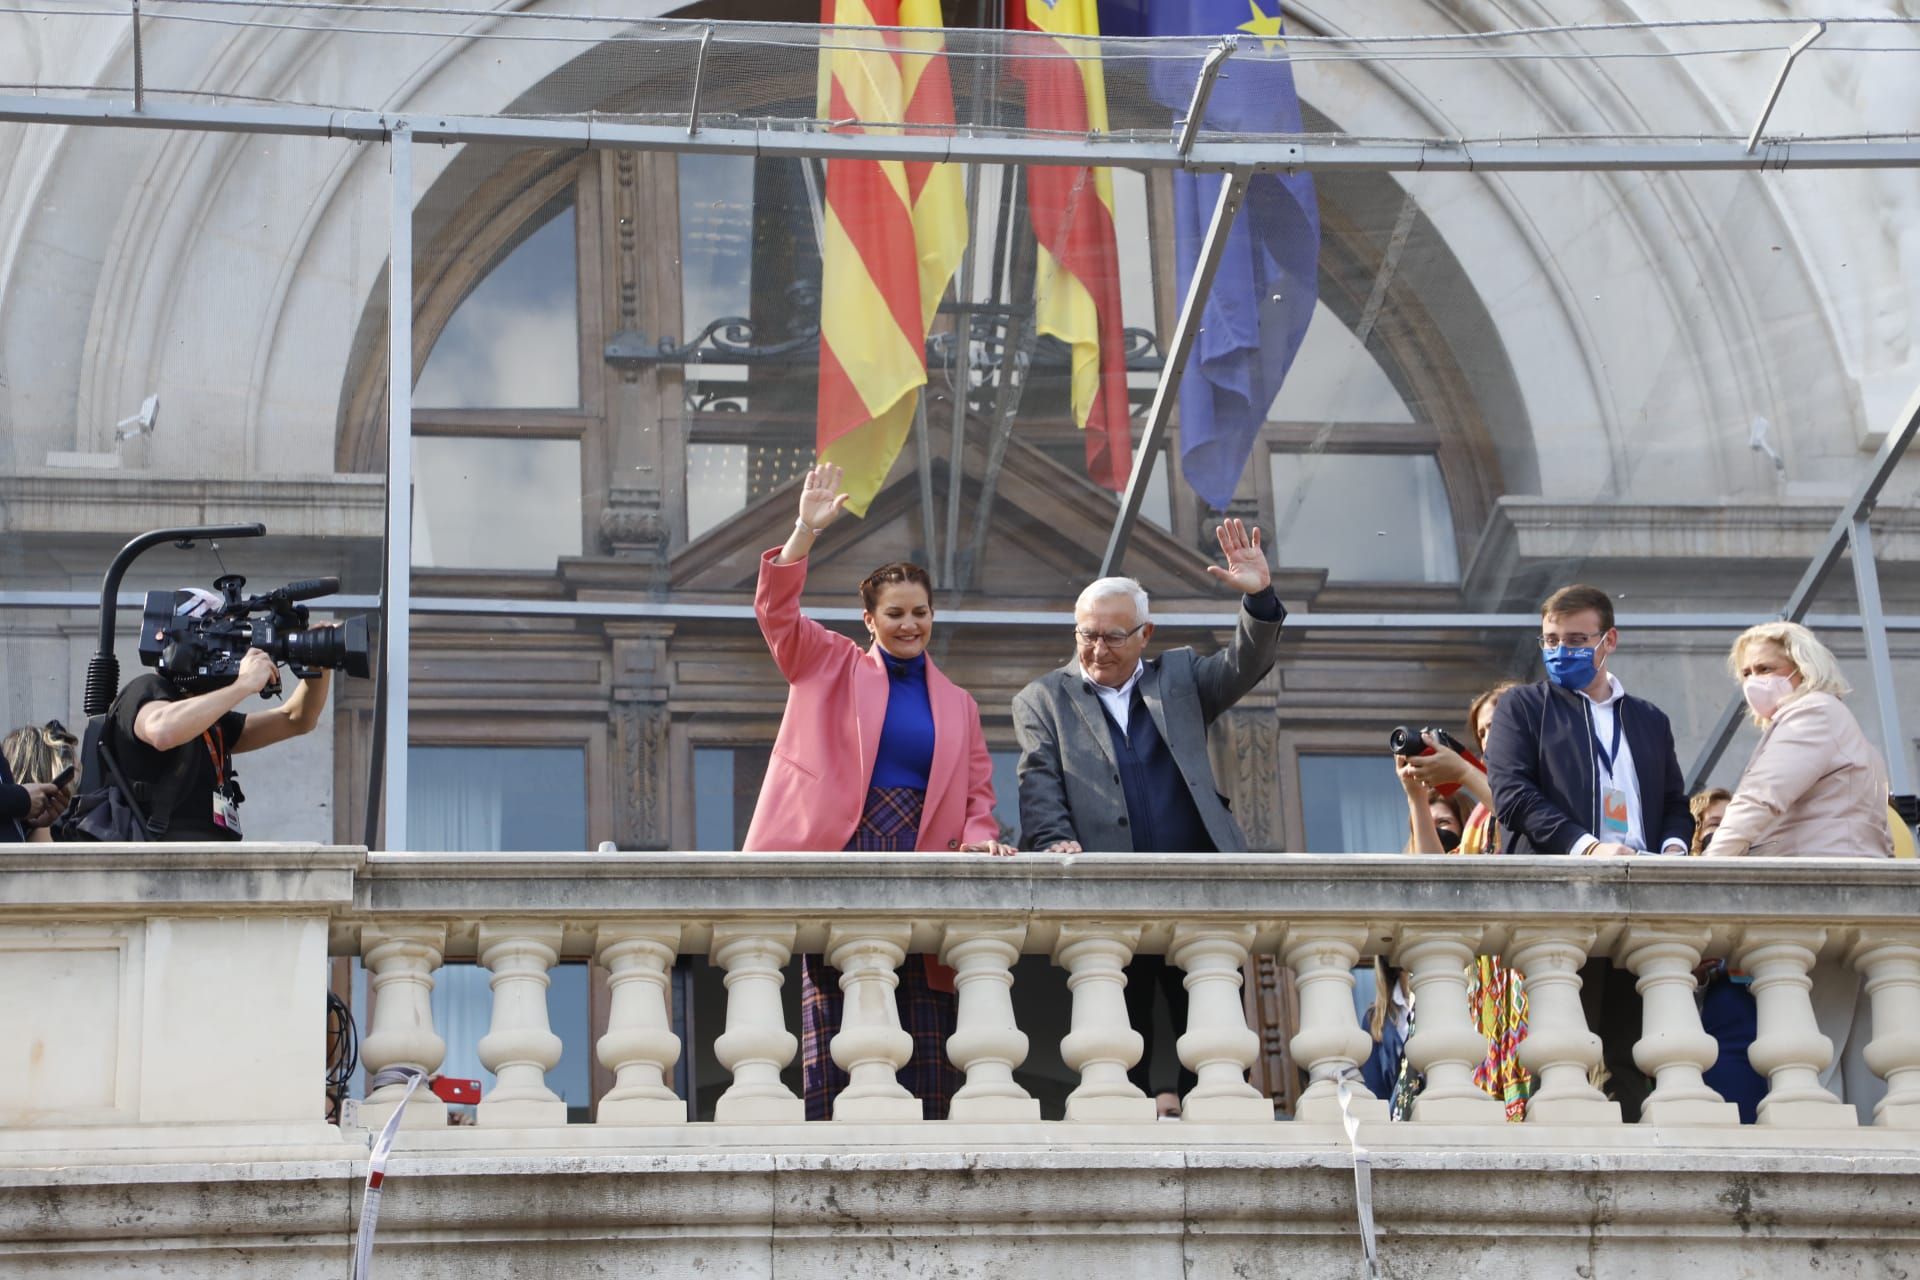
(890,823)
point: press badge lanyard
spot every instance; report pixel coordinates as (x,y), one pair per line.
(1614,821)
(1608,757)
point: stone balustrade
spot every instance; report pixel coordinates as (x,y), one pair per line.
(120,934)
(164,1011)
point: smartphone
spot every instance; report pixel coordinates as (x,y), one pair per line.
(65,776)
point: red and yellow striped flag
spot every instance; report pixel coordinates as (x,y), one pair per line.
(894,233)
(1076,293)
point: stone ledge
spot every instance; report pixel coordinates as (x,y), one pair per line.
(1131,1213)
(88,502)
(93,880)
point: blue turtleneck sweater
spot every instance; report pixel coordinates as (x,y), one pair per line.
(906,739)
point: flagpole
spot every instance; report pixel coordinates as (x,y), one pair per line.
(1233,193)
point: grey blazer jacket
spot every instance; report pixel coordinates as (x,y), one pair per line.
(1069,780)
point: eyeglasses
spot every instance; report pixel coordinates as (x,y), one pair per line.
(1114,639)
(1574,641)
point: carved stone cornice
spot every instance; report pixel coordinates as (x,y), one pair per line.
(50,501)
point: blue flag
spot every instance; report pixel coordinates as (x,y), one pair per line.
(1263,294)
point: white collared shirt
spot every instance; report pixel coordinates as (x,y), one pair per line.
(1117,701)
(1622,777)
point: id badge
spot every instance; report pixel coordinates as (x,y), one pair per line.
(226,814)
(1613,814)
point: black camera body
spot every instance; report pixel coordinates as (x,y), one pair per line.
(204,652)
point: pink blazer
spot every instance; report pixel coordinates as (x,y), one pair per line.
(823,758)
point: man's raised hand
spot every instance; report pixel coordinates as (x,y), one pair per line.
(1246,569)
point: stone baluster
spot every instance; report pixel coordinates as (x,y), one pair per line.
(639,1046)
(987,1044)
(1218,1046)
(1445,1044)
(756,1044)
(1558,1049)
(1331,1042)
(871,1046)
(1890,959)
(520,1047)
(1100,1043)
(1789,1049)
(1673,1048)
(400,960)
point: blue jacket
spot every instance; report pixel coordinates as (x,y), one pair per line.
(1546,783)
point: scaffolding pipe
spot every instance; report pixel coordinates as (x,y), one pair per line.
(1232,191)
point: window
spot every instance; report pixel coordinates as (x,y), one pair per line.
(726,784)
(514,342)
(470,799)
(1352,804)
(1335,379)
(1364,517)
(495,502)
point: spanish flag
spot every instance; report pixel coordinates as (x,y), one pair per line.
(1076,292)
(894,233)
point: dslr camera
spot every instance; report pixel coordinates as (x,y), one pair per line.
(203,652)
(1412,742)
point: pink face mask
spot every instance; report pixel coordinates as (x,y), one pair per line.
(1766,693)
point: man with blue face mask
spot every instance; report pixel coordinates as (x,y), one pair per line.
(1579,766)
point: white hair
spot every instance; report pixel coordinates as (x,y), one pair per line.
(1107,588)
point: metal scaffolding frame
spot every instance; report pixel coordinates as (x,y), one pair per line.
(1239,159)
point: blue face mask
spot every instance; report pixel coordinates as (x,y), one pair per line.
(1570,668)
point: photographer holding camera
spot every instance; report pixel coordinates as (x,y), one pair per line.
(175,745)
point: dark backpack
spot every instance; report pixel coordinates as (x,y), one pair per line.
(115,808)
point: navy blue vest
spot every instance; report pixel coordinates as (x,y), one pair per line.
(1160,812)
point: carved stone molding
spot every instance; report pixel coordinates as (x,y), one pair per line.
(1254,739)
(643,819)
(632,523)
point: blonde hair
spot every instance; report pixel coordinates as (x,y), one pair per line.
(1819,669)
(1698,805)
(37,753)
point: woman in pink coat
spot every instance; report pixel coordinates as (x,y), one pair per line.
(877,752)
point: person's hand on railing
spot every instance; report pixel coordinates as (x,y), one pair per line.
(994,847)
(1064,846)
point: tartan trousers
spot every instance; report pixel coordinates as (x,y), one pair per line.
(890,823)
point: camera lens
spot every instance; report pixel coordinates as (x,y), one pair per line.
(341,648)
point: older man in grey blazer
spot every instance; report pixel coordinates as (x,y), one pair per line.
(1113,747)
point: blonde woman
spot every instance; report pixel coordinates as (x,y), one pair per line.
(36,754)
(1814,787)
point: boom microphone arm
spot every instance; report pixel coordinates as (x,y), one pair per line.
(103,669)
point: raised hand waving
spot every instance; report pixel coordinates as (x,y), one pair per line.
(1246,570)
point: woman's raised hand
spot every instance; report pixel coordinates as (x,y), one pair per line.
(821,498)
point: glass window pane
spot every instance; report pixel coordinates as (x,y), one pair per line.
(482,502)
(1335,379)
(716,239)
(514,342)
(1352,804)
(482,799)
(1364,517)
(1006,794)
(713,799)
(716,486)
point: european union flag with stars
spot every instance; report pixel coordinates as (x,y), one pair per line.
(1263,295)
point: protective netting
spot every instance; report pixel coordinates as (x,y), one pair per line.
(1663,383)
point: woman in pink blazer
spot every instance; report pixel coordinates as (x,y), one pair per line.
(877,752)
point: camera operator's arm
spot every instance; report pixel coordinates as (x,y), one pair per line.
(1425,836)
(166,725)
(298,715)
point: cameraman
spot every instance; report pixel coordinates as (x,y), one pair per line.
(182,745)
